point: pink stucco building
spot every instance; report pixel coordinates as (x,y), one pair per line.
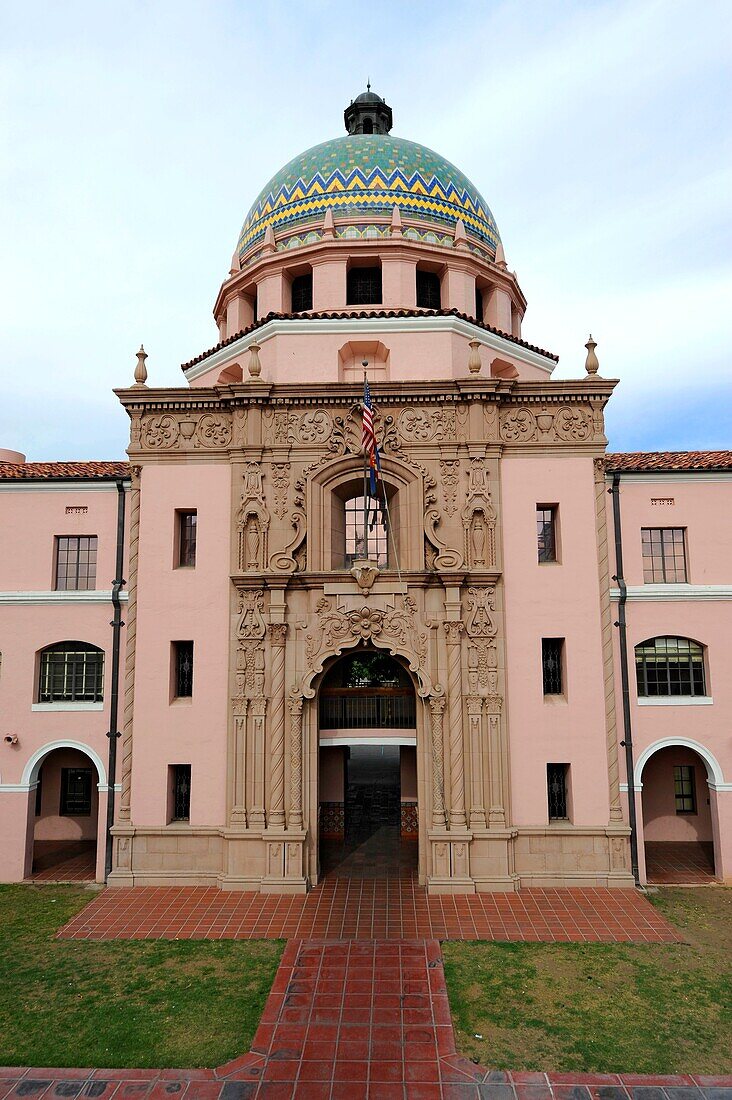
(221,666)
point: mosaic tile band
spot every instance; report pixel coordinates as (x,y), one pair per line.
(372,173)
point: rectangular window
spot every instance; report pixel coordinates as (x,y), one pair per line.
(302,293)
(183,669)
(551,665)
(428,290)
(187,525)
(76,563)
(478,304)
(376,542)
(76,788)
(180,792)
(546,532)
(664,555)
(556,785)
(363,286)
(684,789)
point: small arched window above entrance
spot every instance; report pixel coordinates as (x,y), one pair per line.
(367,689)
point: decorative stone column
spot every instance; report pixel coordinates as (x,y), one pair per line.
(131,623)
(295,704)
(238,811)
(497,811)
(453,632)
(277,636)
(258,710)
(475,720)
(437,710)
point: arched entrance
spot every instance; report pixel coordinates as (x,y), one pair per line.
(68,804)
(367,767)
(678,810)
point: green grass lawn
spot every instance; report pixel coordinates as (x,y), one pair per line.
(655,1008)
(139,1003)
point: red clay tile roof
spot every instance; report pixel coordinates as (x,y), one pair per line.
(669,460)
(63,471)
(349,315)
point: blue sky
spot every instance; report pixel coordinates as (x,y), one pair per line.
(134,136)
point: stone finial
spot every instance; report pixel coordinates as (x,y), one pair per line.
(255,367)
(269,240)
(592,364)
(474,363)
(396,222)
(235,264)
(501,257)
(328,225)
(141,369)
(460,236)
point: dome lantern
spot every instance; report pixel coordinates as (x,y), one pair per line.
(368,113)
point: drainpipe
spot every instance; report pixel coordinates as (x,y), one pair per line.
(627,743)
(113,733)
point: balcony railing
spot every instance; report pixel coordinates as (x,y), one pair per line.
(352,711)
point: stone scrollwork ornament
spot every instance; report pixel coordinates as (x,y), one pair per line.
(213,431)
(573,424)
(481,628)
(518,426)
(159,432)
(396,629)
(250,632)
(450,474)
(286,560)
(446,558)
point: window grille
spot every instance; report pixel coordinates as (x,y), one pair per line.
(684,789)
(670,666)
(187,530)
(181,792)
(71,672)
(378,543)
(302,293)
(551,665)
(428,290)
(76,563)
(76,788)
(546,532)
(183,669)
(364,709)
(556,783)
(363,286)
(664,555)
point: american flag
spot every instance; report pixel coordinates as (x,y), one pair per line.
(368,437)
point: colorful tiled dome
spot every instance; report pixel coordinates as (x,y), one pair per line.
(361,175)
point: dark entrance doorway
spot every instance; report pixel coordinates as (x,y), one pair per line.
(367,772)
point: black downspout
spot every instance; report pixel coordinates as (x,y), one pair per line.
(113,733)
(627,743)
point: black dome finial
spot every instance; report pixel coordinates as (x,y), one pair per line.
(368,113)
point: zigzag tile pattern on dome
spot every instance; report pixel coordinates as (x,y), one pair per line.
(369,174)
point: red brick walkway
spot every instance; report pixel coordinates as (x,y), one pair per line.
(347,909)
(358,1021)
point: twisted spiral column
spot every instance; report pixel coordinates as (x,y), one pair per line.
(295,704)
(276,817)
(606,619)
(437,710)
(131,623)
(453,631)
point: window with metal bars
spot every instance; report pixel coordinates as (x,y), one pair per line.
(685,789)
(71,672)
(551,665)
(664,555)
(376,542)
(76,563)
(187,532)
(76,792)
(556,786)
(546,532)
(180,792)
(302,292)
(363,286)
(670,666)
(183,669)
(428,290)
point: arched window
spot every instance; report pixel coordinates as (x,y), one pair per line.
(71,672)
(670,666)
(368,126)
(375,545)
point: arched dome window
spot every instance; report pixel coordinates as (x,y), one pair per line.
(368,126)
(71,672)
(670,667)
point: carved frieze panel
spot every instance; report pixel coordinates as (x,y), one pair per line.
(518,425)
(168,431)
(570,423)
(250,632)
(481,627)
(415,425)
